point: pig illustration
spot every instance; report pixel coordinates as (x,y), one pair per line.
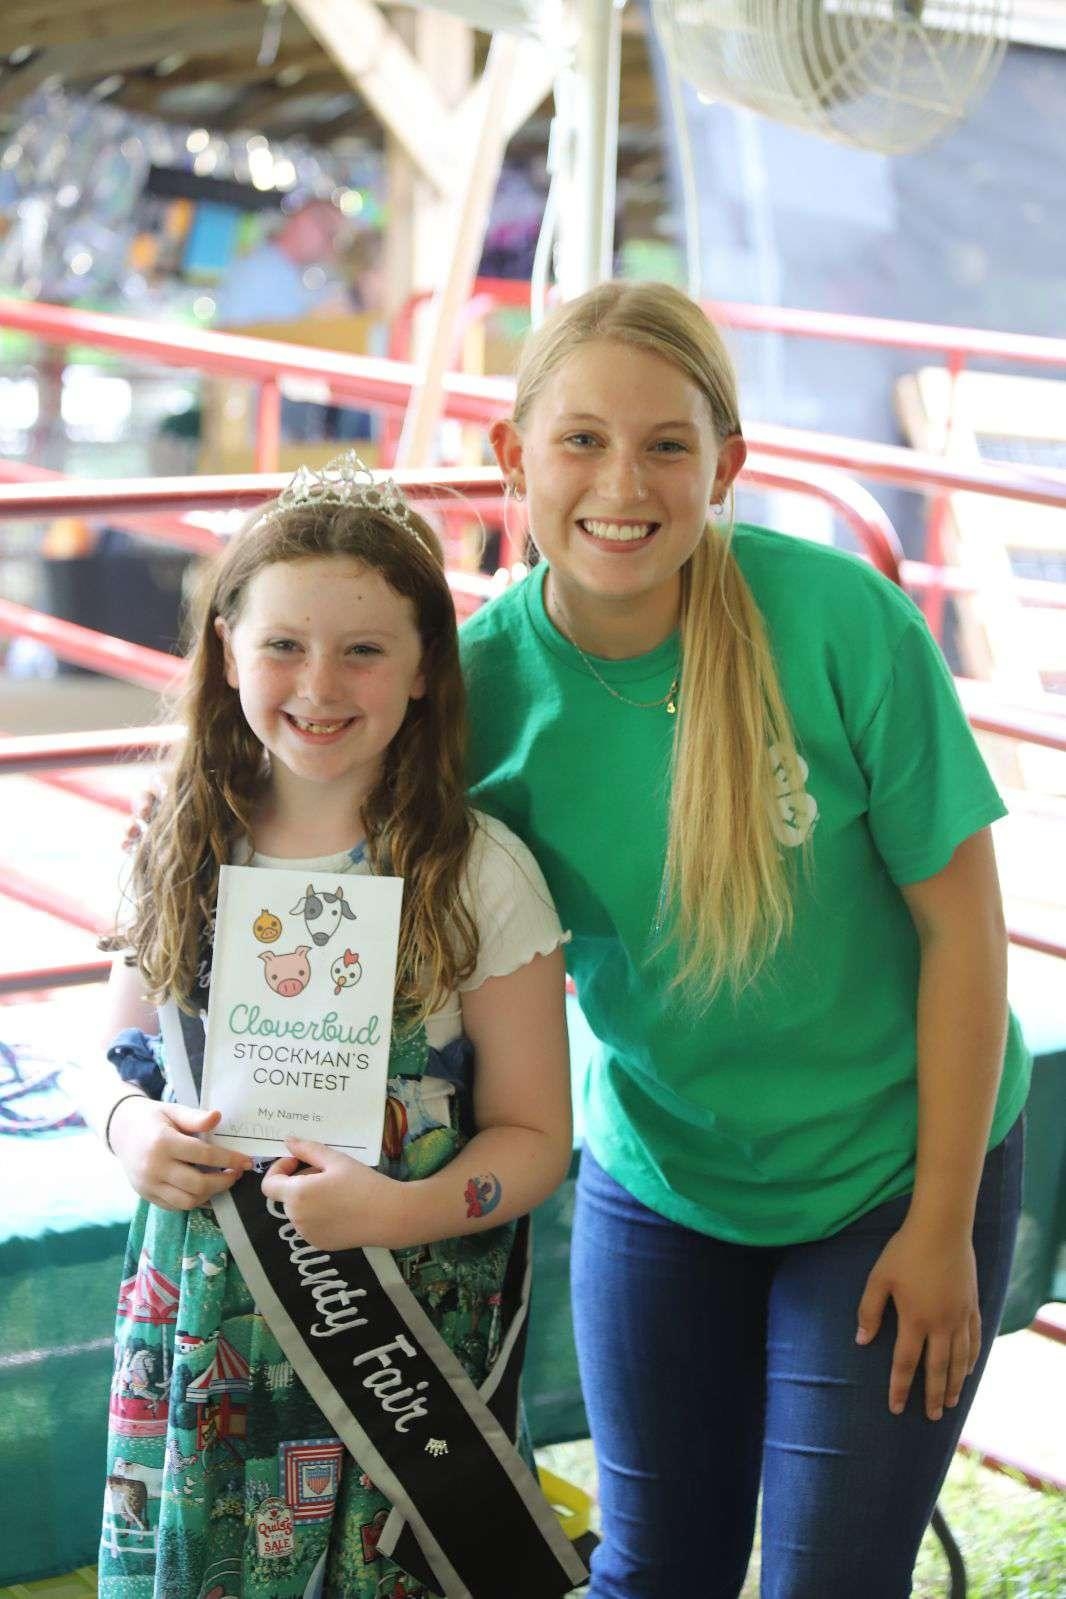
(288,975)
(345,971)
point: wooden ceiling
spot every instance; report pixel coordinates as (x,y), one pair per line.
(197,62)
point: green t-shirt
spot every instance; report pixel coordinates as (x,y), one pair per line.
(784,1113)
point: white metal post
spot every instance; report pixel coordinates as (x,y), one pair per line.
(590,155)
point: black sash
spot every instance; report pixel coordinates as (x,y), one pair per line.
(468,1519)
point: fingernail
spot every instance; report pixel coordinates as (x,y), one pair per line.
(862,1336)
(935,1415)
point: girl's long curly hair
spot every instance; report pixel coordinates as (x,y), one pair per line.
(416,820)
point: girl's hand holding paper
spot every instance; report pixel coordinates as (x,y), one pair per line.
(336,1202)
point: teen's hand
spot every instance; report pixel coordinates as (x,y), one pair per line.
(335,1202)
(160,1146)
(932,1281)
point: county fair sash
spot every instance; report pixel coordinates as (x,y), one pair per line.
(468,1516)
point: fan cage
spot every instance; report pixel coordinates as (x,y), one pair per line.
(884,75)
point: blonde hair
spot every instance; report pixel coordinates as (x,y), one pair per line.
(726,882)
(416,819)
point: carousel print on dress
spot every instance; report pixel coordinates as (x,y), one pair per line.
(224,1478)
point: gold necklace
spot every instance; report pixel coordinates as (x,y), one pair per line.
(669,699)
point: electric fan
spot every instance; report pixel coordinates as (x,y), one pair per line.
(885,75)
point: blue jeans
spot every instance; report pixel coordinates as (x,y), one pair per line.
(708,1366)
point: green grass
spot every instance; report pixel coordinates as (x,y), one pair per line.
(1012,1538)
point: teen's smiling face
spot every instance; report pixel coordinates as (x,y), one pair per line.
(620,462)
(326,658)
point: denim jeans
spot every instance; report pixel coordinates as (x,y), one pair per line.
(710,1366)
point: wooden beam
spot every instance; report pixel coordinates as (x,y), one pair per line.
(531,83)
(113,19)
(381,68)
(24,16)
(418,213)
(218,27)
(243,68)
(461,252)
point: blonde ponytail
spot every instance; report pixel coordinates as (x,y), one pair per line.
(726,876)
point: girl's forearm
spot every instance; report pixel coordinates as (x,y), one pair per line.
(962,1021)
(501,1173)
(96,1088)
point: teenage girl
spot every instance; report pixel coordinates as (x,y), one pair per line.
(741,763)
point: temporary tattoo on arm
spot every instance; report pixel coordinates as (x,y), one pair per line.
(482,1194)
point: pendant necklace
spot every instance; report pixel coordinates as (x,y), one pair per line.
(669,699)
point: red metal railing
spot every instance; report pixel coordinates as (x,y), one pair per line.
(838,326)
(34,754)
(354,378)
(388,383)
(1036,724)
(158,508)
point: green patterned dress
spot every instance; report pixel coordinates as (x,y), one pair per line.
(224,1479)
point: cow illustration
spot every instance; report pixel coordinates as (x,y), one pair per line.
(345,971)
(288,975)
(133,1471)
(127,1498)
(322,913)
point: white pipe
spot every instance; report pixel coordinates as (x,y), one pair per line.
(590,157)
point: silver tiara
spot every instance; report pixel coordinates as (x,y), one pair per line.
(347,480)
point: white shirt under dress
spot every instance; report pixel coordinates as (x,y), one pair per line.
(512,909)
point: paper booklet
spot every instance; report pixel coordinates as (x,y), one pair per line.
(300,1010)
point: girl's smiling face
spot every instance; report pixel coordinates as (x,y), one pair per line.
(326,658)
(620,463)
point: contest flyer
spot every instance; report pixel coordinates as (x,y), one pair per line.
(300,1011)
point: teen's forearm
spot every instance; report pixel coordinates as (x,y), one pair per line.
(501,1173)
(962,1022)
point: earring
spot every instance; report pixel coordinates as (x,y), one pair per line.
(717,507)
(513,548)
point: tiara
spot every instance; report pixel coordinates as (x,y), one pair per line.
(347,480)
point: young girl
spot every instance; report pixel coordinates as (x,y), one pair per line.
(741,762)
(324,716)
